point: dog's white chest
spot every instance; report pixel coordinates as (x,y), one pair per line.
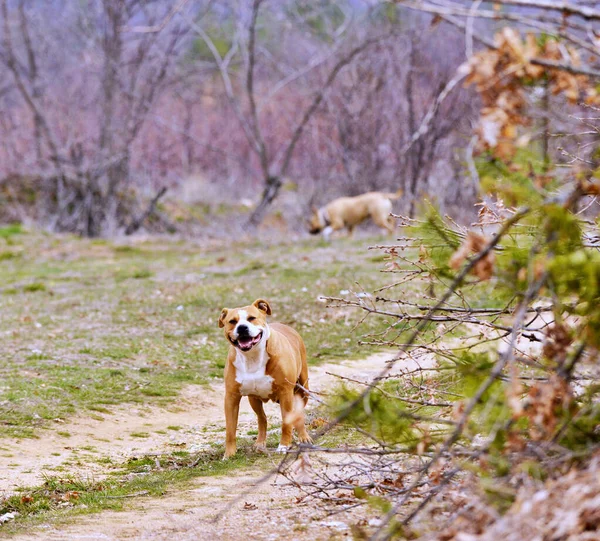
(250,374)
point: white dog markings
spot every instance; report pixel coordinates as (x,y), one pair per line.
(250,366)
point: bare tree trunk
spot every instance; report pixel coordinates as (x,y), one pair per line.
(137,222)
(414,157)
(32,70)
(270,192)
(546,127)
(112,46)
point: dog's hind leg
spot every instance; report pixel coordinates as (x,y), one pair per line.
(299,425)
(383,220)
(391,225)
(261,440)
(301,398)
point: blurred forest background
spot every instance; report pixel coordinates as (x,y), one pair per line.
(232,106)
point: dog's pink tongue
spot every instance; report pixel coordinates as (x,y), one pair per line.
(245,343)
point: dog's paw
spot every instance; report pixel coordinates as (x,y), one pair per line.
(260,447)
(306,439)
(282,449)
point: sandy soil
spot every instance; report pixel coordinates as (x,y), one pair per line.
(269,513)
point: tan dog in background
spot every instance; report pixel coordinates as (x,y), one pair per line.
(350,211)
(265,362)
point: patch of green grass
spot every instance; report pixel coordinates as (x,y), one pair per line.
(135,274)
(8,231)
(99,409)
(119,352)
(139,435)
(33,287)
(10,291)
(37,356)
(378,258)
(252,267)
(8,255)
(142,273)
(128,250)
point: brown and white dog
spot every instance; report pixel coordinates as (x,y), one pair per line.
(265,362)
(350,211)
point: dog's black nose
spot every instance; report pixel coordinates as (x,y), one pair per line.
(242,329)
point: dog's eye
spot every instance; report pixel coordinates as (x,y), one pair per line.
(233,321)
(251,318)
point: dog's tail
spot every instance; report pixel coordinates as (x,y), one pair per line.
(394,196)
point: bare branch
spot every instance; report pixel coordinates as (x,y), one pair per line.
(156,28)
(137,222)
(567,8)
(344,61)
(254,121)
(456,10)
(222,65)
(28,96)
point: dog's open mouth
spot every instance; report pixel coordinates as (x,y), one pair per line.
(246,343)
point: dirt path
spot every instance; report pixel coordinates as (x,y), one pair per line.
(269,513)
(180,515)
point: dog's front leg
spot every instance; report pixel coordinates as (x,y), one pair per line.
(327,233)
(286,401)
(232,409)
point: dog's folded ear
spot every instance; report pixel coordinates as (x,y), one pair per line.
(222,317)
(263,306)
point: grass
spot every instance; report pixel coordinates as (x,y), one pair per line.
(87,324)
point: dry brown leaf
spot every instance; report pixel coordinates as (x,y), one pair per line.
(473,244)
(318,422)
(70,495)
(437,19)
(458,410)
(543,401)
(590,188)
(557,342)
